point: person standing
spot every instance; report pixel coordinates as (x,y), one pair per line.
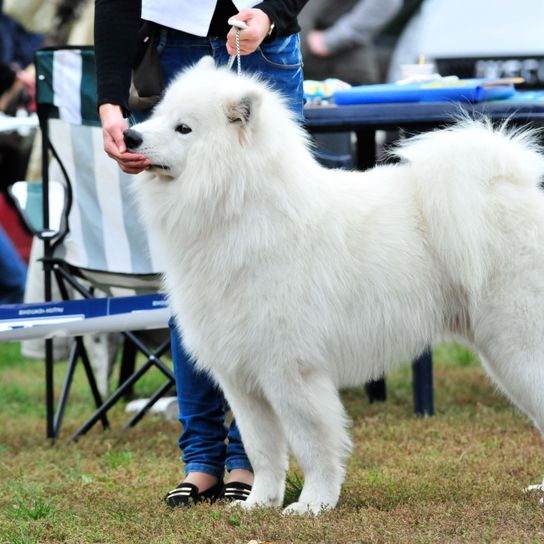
(338,38)
(12,272)
(188,31)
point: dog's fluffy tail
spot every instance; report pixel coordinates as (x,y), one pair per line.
(458,173)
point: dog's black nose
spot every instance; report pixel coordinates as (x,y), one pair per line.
(133,139)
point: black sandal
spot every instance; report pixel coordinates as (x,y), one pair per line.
(234,491)
(186,494)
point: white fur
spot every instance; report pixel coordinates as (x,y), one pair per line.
(289,280)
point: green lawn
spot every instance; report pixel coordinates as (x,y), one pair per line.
(455,477)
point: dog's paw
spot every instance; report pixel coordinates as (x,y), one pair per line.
(538,488)
(305,509)
(263,499)
(240,504)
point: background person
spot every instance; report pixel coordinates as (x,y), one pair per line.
(12,272)
(338,38)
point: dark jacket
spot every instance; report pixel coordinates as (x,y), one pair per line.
(116,29)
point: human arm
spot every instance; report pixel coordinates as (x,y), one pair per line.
(116,27)
(282,13)
(356,27)
(116,24)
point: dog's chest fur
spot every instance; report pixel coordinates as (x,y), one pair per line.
(281,291)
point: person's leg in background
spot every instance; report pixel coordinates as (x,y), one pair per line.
(201,403)
(202,441)
(202,417)
(12,272)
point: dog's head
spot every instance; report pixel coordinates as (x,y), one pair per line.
(207,114)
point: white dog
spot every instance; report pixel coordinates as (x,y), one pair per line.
(290,280)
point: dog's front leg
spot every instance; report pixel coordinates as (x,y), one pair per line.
(313,418)
(264,443)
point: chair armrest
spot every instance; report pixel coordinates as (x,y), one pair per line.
(28,199)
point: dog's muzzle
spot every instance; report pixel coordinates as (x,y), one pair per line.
(133,139)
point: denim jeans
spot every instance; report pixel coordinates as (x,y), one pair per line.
(279,62)
(12,272)
(201,404)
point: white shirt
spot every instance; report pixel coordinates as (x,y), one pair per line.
(193,17)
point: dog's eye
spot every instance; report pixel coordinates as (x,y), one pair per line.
(183,129)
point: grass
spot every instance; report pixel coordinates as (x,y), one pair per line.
(455,477)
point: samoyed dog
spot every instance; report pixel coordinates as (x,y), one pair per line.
(290,280)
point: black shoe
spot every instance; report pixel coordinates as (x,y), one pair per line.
(186,494)
(234,491)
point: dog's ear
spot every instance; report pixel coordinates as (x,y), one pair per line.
(243,110)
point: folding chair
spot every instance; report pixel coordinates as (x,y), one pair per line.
(96,241)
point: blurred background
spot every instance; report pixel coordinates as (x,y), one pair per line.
(356,41)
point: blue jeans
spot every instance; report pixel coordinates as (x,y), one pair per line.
(201,403)
(12,272)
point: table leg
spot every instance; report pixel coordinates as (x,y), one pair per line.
(366,149)
(376,390)
(365,159)
(422,383)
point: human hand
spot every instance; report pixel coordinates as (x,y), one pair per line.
(258,24)
(113,126)
(27,78)
(316,44)
(22,93)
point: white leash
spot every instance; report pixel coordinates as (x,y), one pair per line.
(240,25)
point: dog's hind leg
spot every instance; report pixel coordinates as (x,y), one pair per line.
(264,443)
(521,379)
(509,333)
(310,411)
(512,345)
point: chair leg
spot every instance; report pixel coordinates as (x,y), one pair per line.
(376,390)
(128,365)
(108,403)
(156,396)
(92,382)
(49,391)
(422,380)
(68,379)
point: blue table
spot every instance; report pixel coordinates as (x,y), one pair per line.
(523,107)
(364,119)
